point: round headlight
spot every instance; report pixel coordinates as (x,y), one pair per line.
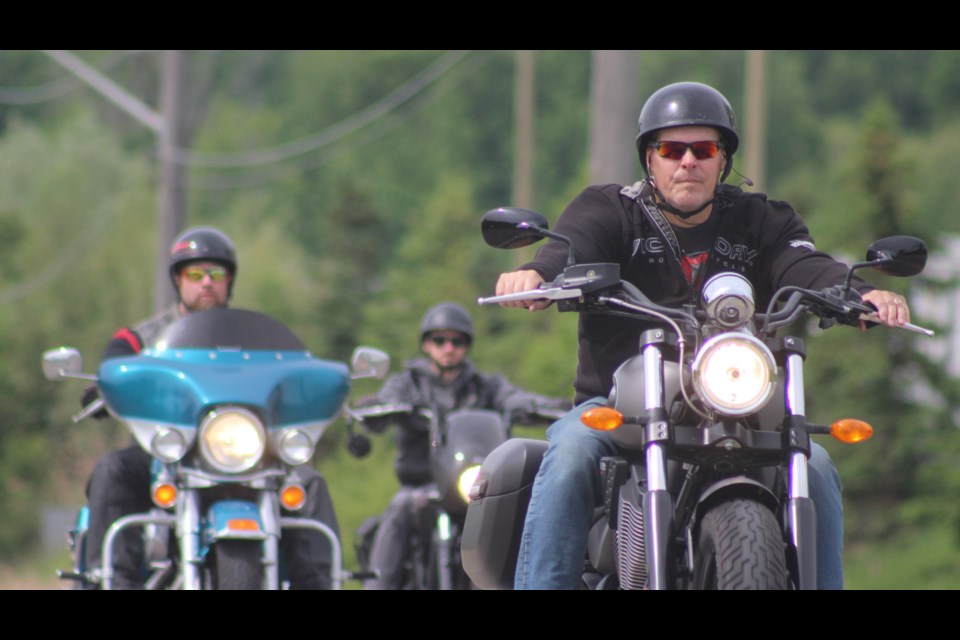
(466,480)
(168,445)
(296,447)
(232,440)
(734,374)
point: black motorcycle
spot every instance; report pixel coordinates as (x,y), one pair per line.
(709,488)
(459,442)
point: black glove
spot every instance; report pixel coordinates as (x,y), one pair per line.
(90,395)
(540,411)
(559,404)
(378,424)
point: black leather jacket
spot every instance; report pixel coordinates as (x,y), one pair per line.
(417,385)
(765,240)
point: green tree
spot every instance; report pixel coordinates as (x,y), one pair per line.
(72,209)
(881,376)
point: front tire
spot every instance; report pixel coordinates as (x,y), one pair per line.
(740,547)
(236,565)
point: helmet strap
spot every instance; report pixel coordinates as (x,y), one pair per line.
(447,373)
(683,215)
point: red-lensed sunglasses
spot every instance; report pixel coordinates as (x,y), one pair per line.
(674,150)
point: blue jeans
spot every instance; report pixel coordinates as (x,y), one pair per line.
(567,488)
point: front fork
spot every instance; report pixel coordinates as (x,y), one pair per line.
(657,501)
(196,537)
(444,551)
(800,519)
(195,534)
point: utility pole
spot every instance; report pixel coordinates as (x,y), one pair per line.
(169,129)
(613,117)
(172,199)
(523,130)
(755,126)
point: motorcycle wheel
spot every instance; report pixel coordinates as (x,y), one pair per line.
(236,565)
(740,547)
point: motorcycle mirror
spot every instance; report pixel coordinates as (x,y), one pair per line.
(901,256)
(512,227)
(368,362)
(61,363)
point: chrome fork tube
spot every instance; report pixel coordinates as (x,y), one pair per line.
(657,501)
(653,398)
(799,485)
(444,561)
(269,506)
(188,535)
(800,517)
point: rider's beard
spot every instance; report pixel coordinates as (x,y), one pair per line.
(448,368)
(203,303)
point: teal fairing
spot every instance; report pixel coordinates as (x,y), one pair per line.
(222,358)
(177,386)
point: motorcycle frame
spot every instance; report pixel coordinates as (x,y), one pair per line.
(435,546)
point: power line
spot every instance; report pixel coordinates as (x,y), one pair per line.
(379,129)
(316,141)
(15,96)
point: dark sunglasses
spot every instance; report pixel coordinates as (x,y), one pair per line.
(196,274)
(456,341)
(702,149)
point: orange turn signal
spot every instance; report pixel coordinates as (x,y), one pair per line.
(851,430)
(242,524)
(292,497)
(164,495)
(602,418)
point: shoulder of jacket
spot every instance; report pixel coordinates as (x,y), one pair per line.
(634,190)
(149,329)
(753,201)
(490,379)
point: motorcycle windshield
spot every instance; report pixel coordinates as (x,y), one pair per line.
(474,432)
(220,357)
(229,329)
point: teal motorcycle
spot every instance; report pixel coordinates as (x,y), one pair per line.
(228,404)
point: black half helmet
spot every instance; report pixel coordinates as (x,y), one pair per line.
(447,315)
(203,243)
(688,104)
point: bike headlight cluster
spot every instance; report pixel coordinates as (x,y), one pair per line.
(734,374)
(168,445)
(295,447)
(232,440)
(728,300)
(466,479)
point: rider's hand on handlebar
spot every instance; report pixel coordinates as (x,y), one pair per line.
(517,281)
(90,395)
(892,308)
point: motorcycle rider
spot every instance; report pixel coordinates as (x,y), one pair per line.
(667,232)
(445,380)
(203,268)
